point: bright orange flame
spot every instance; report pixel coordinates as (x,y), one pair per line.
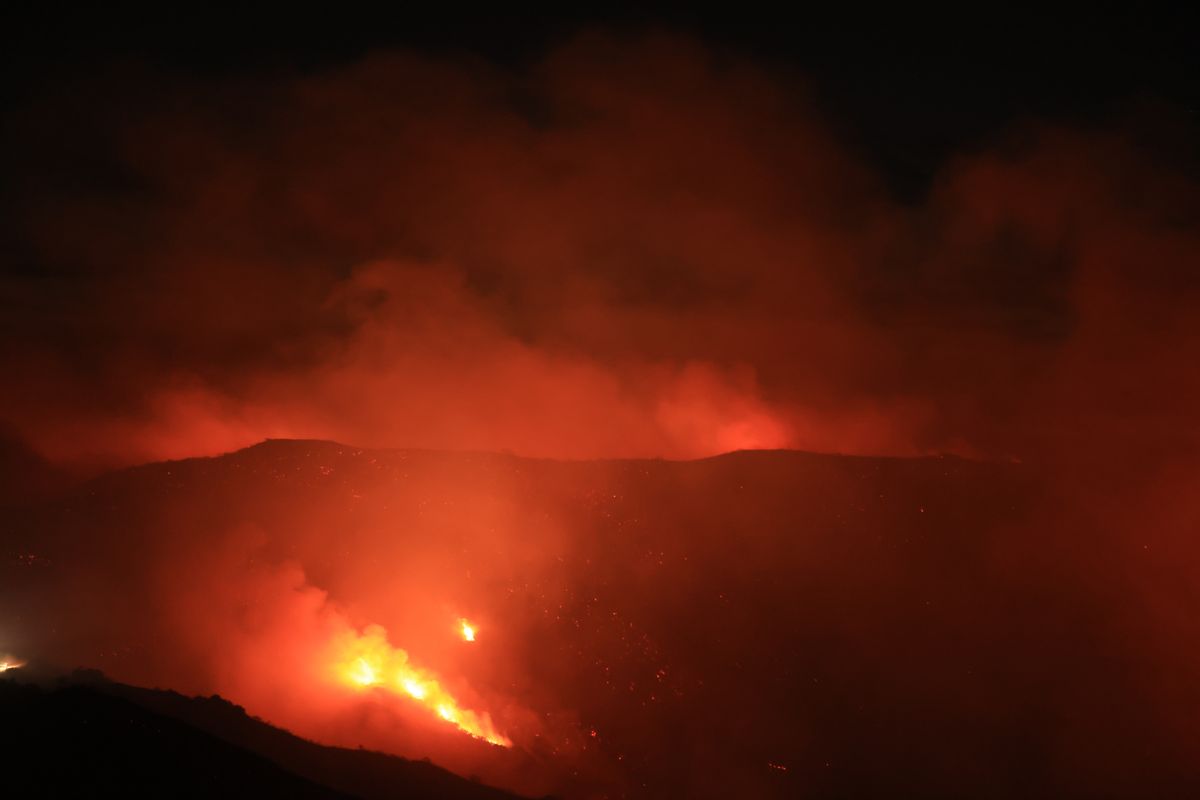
(5,666)
(468,630)
(368,660)
(364,673)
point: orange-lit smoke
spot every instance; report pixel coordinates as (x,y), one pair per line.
(280,620)
(633,247)
(457,273)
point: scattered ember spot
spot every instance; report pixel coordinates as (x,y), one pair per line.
(32,560)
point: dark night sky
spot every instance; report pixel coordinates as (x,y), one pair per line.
(907,87)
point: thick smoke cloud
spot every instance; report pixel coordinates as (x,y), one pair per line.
(631,248)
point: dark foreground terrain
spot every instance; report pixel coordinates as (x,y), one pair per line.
(760,624)
(94,738)
(80,742)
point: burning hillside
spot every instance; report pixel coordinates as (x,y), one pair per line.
(368,661)
(764,620)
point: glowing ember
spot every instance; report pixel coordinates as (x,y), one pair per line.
(468,630)
(367,660)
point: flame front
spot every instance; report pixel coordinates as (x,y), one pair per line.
(468,630)
(367,660)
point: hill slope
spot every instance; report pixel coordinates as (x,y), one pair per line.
(80,742)
(760,623)
(93,736)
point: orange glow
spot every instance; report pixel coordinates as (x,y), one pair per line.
(468,630)
(363,674)
(368,660)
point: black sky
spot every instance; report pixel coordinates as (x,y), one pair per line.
(907,89)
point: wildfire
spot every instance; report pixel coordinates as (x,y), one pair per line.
(364,673)
(5,666)
(468,630)
(367,660)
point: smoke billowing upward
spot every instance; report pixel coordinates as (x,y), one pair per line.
(629,248)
